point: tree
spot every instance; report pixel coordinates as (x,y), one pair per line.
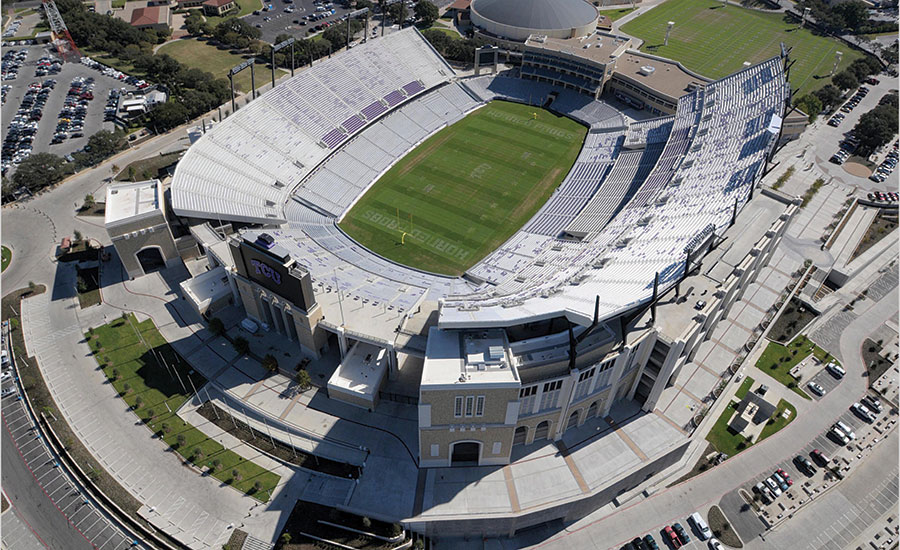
(99,147)
(88,202)
(31,287)
(854,14)
(235,475)
(38,171)
(811,105)
(270,363)
(196,454)
(845,80)
(303,379)
(126,388)
(179,441)
(216,326)
(426,12)
(367,523)
(876,128)
(138,402)
(76,236)
(284,540)
(241,345)
(168,115)
(829,95)
(257,486)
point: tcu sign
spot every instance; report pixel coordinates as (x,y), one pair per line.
(266,271)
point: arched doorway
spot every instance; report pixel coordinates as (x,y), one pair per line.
(542,430)
(573,421)
(520,436)
(592,411)
(465,453)
(151,259)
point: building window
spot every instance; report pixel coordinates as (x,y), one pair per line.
(435,449)
(470,404)
(497,447)
(479,406)
(550,397)
(526,398)
(584,383)
(457,409)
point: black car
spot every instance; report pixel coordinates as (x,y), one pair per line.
(650,543)
(638,544)
(682,534)
(804,465)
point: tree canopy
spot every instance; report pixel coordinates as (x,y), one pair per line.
(426,12)
(38,171)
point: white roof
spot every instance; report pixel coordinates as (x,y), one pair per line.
(456,359)
(361,371)
(129,200)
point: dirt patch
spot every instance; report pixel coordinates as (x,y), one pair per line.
(721,529)
(857,169)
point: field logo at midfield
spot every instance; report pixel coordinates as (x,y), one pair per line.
(423,238)
(536,124)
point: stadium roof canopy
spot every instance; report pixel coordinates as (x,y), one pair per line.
(537,15)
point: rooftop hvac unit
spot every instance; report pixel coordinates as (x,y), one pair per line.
(647,70)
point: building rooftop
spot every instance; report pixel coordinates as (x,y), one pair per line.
(129,200)
(666,77)
(217,3)
(537,14)
(599,47)
(361,371)
(207,287)
(151,15)
(470,358)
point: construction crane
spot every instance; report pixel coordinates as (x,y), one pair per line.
(62,39)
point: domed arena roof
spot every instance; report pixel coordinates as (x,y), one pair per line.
(537,14)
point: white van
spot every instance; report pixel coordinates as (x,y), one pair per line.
(836,370)
(700,525)
(846,429)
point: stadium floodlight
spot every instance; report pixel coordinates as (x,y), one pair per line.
(353,15)
(235,70)
(668,30)
(279,46)
(837,61)
(805,15)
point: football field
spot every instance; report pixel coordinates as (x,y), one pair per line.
(715,40)
(462,192)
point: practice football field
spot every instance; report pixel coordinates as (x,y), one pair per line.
(465,190)
(715,41)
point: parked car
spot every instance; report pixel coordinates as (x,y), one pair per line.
(638,543)
(816,389)
(715,545)
(682,534)
(785,476)
(863,412)
(835,370)
(848,431)
(838,436)
(874,403)
(702,528)
(650,543)
(804,465)
(672,537)
(773,486)
(820,457)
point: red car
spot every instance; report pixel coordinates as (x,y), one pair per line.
(673,538)
(787,478)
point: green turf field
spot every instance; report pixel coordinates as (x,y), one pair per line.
(715,41)
(467,188)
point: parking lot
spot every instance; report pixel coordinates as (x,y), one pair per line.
(79,512)
(825,380)
(277,21)
(807,486)
(55,100)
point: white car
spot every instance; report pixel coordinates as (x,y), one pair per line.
(836,370)
(816,389)
(863,412)
(776,490)
(715,545)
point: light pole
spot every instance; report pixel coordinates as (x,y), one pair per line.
(837,61)
(805,15)
(668,30)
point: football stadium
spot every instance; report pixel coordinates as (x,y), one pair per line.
(520,257)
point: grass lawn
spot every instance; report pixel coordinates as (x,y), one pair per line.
(722,439)
(130,363)
(89,293)
(202,55)
(777,360)
(715,41)
(745,387)
(777,422)
(466,189)
(118,4)
(615,15)
(5,258)
(440,28)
